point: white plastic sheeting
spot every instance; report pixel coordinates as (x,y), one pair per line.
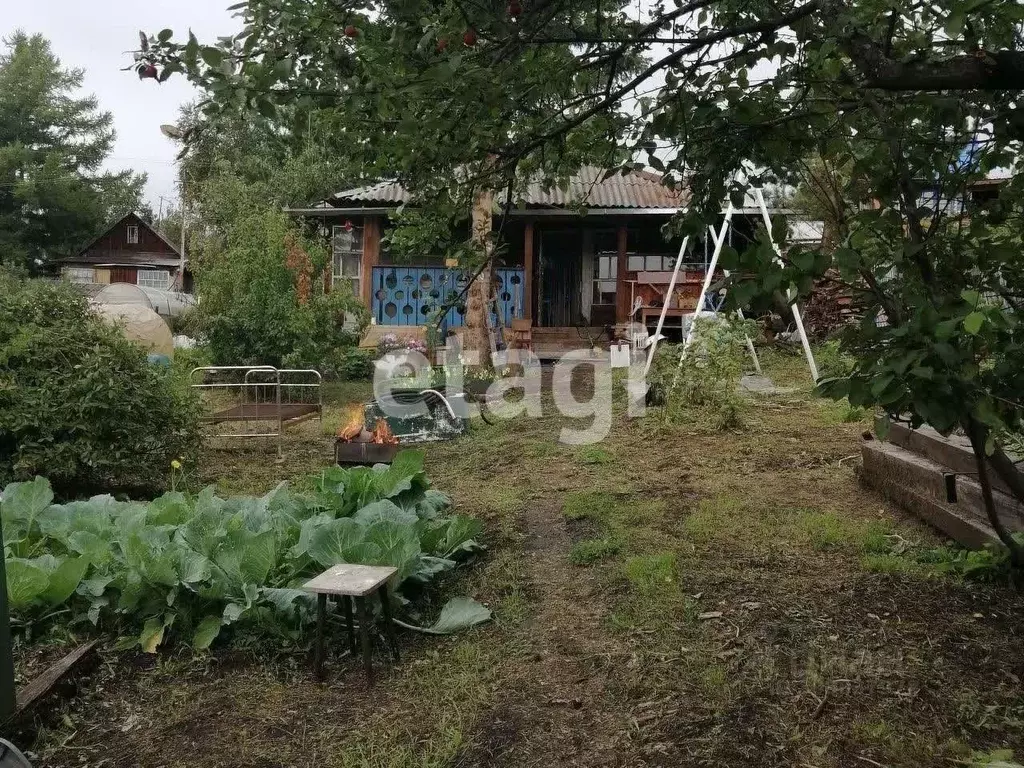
(165,303)
(141,325)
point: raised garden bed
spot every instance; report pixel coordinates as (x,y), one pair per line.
(934,478)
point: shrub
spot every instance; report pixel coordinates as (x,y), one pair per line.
(79,402)
(264,300)
(355,364)
(705,386)
(832,363)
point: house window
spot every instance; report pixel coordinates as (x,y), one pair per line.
(606,267)
(154,278)
(347,246)
(133,234)
(79,274)
(639,262)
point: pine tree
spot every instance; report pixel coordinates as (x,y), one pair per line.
(54,195)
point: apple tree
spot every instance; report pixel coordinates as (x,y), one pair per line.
(916,101)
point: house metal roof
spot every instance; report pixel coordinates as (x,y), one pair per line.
(635,189)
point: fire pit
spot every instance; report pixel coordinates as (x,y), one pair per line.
(356,445)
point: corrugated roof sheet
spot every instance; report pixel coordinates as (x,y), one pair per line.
(634,190)
(382,192)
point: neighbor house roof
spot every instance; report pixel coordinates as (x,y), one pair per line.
(635,189)
(79,257)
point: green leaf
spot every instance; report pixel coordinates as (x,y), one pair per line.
(973,322)
(333,542)
(25,583)
(946,328)
(65,580)
(984,410)
(206,632)
(971,297)
(22,502)
(384,510)
(213,57)
(458,614)
(170,509)
(152,635)
(398,545)
(165,35)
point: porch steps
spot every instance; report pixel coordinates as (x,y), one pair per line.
(552,343)
(932,478)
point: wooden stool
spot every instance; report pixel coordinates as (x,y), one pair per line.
(350,584)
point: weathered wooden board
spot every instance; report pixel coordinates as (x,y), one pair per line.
(40,688)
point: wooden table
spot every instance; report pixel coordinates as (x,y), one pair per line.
(348,584)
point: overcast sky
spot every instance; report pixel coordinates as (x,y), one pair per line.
(95,35)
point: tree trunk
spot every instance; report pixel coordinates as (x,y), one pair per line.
(475,337)
(978,433)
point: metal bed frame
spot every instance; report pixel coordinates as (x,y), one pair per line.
(259,380)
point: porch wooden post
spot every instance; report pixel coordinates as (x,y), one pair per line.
(528,272)
(621,286)
(371,257)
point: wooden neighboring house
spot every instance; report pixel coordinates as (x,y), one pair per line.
(128,251)
(577,261)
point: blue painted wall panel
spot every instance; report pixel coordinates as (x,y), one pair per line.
(412,295)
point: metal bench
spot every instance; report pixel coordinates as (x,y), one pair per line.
(260,393)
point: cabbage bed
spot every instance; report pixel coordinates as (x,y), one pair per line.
(187,566)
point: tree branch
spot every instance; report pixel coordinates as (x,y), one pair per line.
(978,434)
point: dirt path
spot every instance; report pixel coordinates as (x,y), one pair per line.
(555,709)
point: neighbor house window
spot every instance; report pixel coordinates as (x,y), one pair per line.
(154,278)
(347,245)
(133,234)
(79,274)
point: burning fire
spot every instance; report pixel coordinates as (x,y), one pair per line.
(352,429)
(382,434)
(352,426)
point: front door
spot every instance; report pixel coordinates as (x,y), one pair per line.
(561,254)
(124,275)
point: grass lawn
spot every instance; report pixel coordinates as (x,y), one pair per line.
(672,596)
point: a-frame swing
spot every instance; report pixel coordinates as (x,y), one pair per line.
(719,240)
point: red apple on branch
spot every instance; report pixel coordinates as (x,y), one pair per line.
(469,38)
(351,31)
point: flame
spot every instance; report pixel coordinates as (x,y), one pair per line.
(352,426)
(382,434)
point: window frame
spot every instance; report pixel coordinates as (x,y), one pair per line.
(74,274)
(350,256)
(132,234)
(611,258)
(166,279)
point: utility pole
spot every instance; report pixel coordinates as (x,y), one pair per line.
(8,701)
(181,265)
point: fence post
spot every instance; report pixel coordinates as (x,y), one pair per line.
(8,700)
